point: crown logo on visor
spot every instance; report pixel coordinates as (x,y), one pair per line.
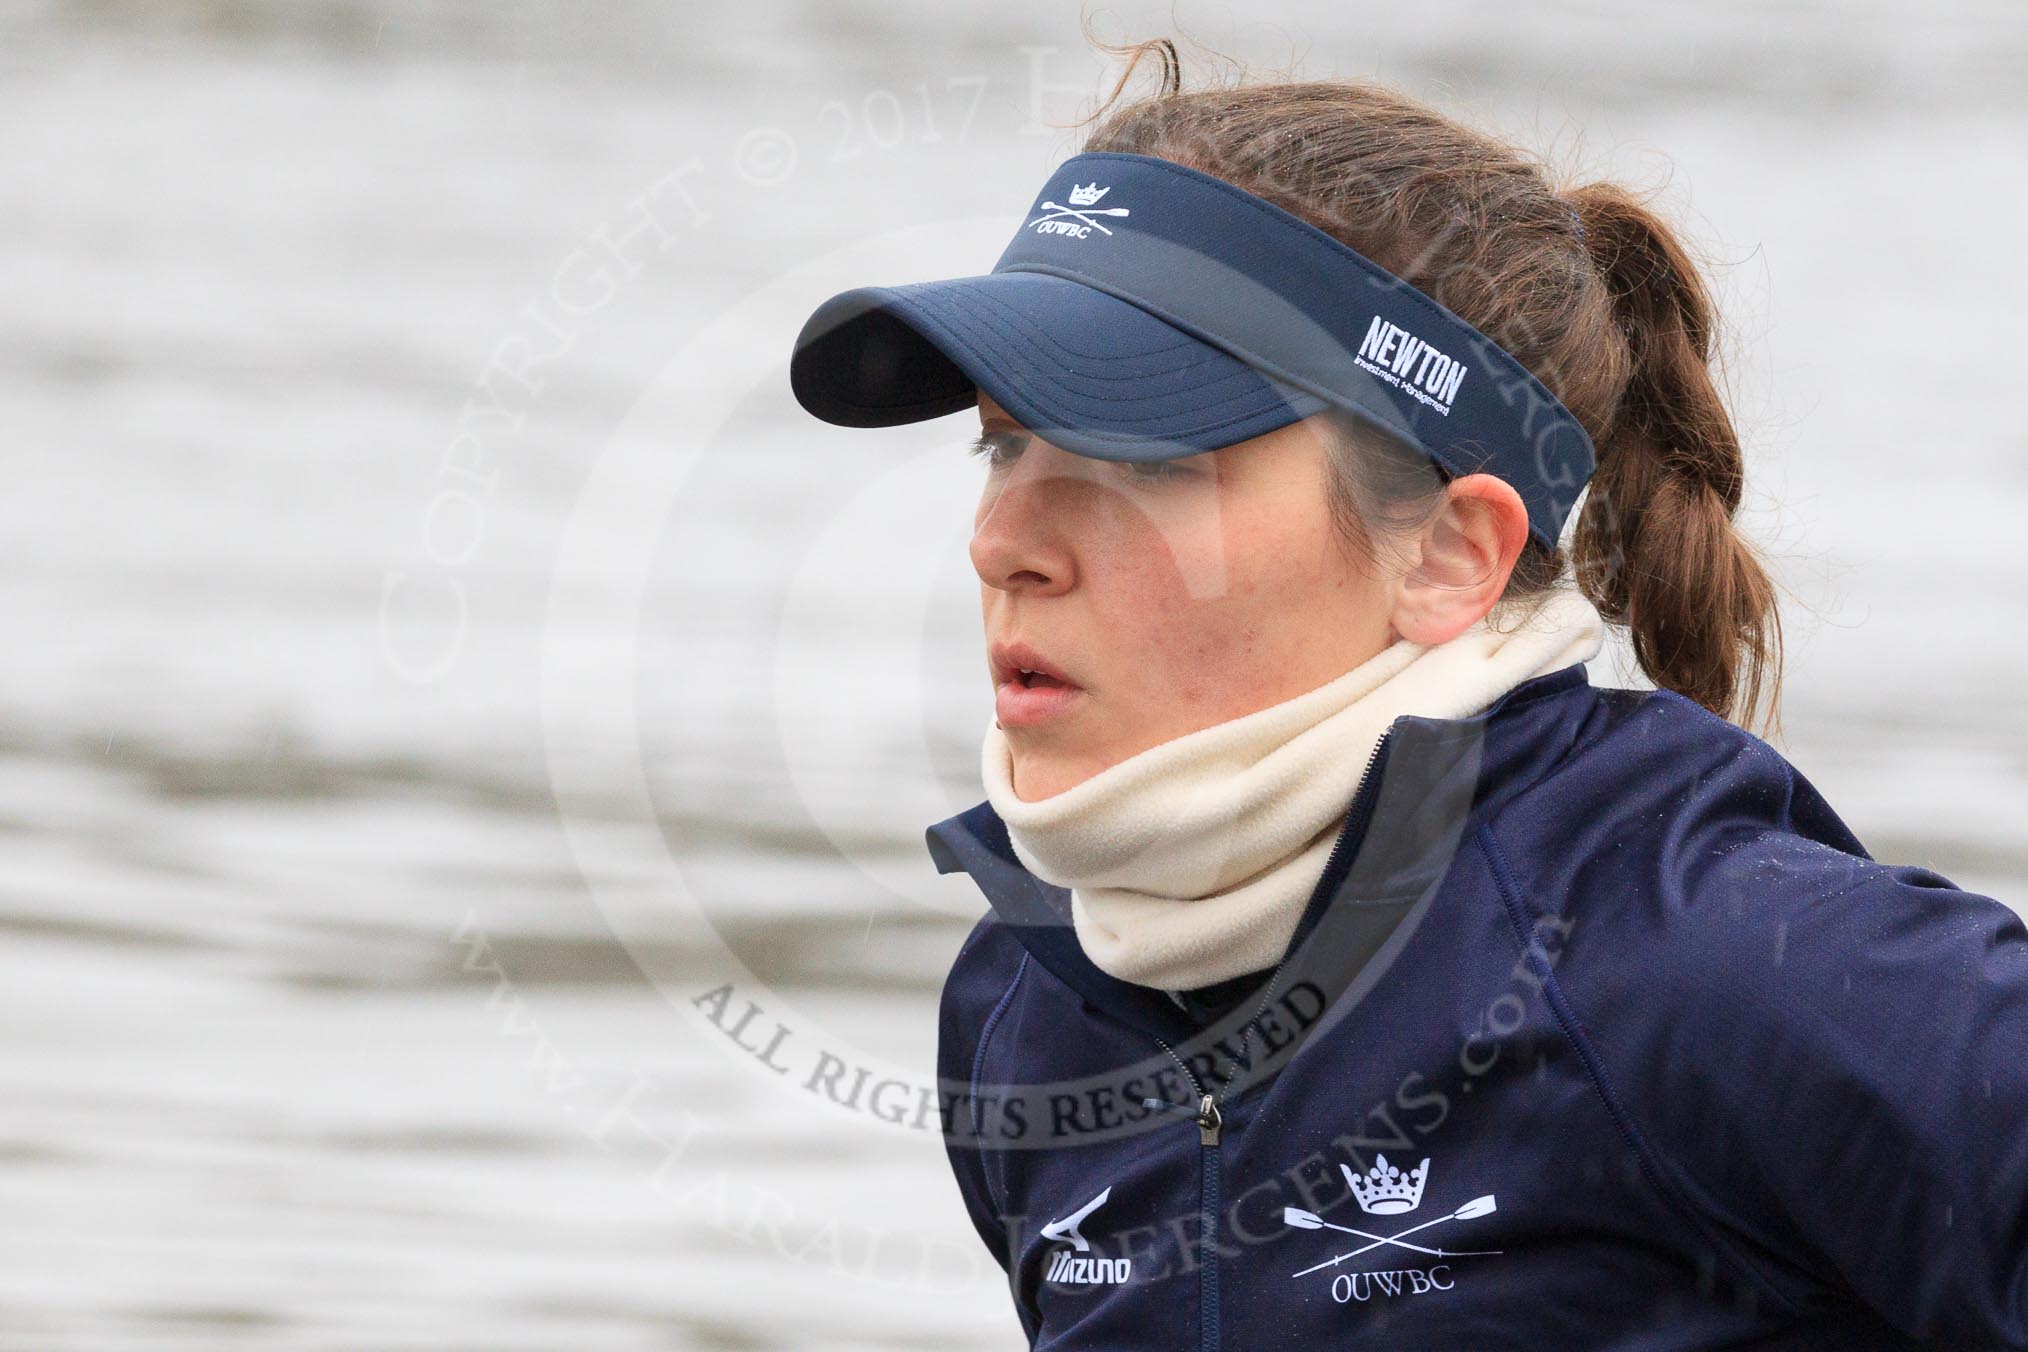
(1086,194)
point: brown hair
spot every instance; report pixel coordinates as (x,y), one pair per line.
(1587,287)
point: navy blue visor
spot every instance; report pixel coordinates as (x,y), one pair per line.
(1146,311)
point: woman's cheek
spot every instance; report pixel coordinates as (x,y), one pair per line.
(1178,554)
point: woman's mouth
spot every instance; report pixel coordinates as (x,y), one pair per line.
(1032,698)
(1031,688)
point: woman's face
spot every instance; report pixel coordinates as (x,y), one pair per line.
(1171,596)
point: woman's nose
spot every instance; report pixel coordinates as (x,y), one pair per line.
(1021,537)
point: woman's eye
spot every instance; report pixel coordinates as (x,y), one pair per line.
(1001,449)
(997,449)
(1152,471)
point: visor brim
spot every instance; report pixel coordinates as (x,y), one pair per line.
(1078,367)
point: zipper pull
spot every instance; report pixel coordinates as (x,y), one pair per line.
(1208,1121)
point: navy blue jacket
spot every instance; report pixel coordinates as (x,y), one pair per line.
(1651,1054)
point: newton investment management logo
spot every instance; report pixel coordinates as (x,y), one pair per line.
(1406,361)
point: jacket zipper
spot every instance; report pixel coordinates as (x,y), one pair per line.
(1362,807)
(1210,1121)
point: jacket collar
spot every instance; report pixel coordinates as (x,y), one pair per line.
(1474,763)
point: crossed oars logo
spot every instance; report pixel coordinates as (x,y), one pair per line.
(1310,1220)
(1084,214)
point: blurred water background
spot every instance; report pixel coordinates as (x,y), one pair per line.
(351,619)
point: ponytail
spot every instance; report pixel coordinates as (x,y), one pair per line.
(1655,547)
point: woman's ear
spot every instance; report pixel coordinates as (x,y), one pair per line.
(1462,559)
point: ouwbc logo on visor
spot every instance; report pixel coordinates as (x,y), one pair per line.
(1080,218)
(1239,273)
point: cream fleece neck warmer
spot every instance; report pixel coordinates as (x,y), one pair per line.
(1192,861)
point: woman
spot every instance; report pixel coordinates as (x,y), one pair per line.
(1356,973)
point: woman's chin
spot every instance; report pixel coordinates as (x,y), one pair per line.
(1037,777)
(1042,767)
